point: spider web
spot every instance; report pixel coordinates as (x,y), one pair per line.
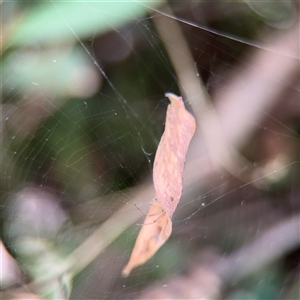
(82,114)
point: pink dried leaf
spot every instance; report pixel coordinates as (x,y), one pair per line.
(167,176)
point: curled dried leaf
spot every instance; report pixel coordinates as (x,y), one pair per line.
(167,176)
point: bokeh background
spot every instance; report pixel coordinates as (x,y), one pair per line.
(82,113)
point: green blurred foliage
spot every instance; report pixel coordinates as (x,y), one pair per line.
(42,61)
(279,13)
(51,22)
(264,285)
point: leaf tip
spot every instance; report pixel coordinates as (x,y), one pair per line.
(126,271)
(172,97)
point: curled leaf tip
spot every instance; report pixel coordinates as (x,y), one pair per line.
(173,98)
(126,271)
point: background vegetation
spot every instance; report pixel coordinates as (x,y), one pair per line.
(82,113)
